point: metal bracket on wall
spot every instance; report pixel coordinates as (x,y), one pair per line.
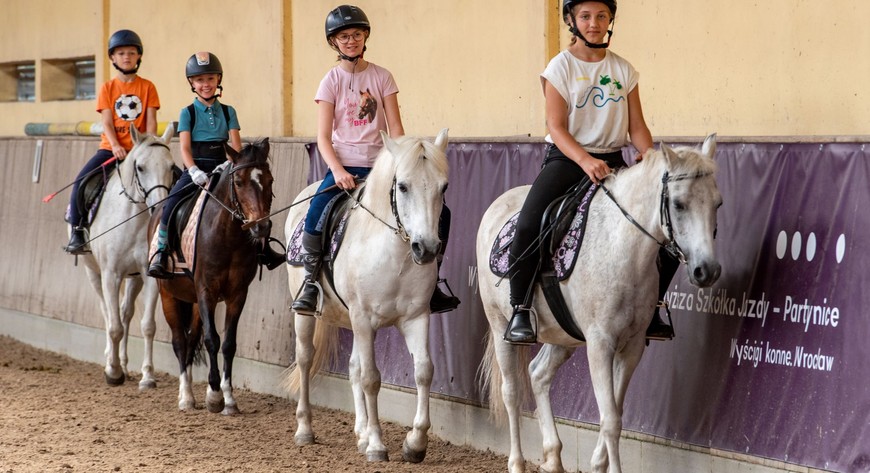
(37,161)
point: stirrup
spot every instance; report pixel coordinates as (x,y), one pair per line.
(163,272)
(533,324)
(451,302)
(670,324)
(319,310)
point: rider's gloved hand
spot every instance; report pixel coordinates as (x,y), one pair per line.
(199,176)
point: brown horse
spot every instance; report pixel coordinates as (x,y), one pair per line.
(225,264)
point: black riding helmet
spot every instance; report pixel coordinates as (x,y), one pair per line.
(204,62)
(125,38)
(567,5)
(344,17)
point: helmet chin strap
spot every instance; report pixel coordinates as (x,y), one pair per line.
(353,60)
(128,71)
(576,32)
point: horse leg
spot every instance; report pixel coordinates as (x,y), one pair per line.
(148,327)
(370,380)
(508,358)
(416,333)
(228,349)
(132,287)
(214,399)
(361,418)
(111,286)
(606,453)
(305,326)
(542,370)
(178,315)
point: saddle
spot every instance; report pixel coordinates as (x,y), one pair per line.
(563,226)
(90,194)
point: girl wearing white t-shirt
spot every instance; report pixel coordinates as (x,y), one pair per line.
(593,110)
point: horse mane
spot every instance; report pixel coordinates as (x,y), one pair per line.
(690,160)
(413,153)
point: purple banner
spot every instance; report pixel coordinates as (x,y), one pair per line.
(770,362)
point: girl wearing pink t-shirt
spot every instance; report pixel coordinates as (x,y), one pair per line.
(356,100)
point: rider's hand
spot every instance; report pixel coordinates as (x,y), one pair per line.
(119,152)
(344,179)
(595,168)
(199,176)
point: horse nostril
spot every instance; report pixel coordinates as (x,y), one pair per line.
(700,273)
(417,249)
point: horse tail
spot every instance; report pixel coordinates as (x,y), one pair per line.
(490,377)
(325,353)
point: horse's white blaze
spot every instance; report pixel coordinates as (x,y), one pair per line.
(614,312)
(376,276)
(256,174)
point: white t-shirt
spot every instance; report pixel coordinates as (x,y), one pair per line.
(359,111)
(597,98)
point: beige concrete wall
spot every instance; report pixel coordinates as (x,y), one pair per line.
(741,68)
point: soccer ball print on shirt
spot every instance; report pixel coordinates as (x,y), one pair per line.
(128,107)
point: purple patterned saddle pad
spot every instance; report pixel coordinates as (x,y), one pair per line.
(294,247)
(565,256)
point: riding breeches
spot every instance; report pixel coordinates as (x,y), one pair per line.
(183,187)
(92,165)
(558,175)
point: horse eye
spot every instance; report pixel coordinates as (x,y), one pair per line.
(444,189)
(679,205)
(403,187)
(718,205)
(139,168)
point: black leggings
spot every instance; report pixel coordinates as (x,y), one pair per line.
(557,176)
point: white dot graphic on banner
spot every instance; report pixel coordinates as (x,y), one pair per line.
(811,246)
(796,246)
(781,244)
(841,247)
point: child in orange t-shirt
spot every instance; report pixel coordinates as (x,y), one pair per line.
(126,100)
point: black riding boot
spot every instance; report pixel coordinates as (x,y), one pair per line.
(441,302)
(658,329)
(271,258)
(519,330)
(306,303)
(159,265)
(78,244)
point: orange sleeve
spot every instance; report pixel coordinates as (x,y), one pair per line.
(104,98)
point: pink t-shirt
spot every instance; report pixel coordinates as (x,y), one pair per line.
(359,111)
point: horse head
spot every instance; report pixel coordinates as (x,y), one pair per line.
(690,200)
(148,167)
(250,187)
(419,181)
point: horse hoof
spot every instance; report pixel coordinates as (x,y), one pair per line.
(186,406)
(215,407)
(146,385)
(115,381)
(377,456)
(412,456)
(362,446)
(231,411)
(305,439)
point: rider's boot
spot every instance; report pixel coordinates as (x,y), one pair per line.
(441,302)
(306,303)
(160,262)
(658,329)
(519,330)
(78,244)
(271,258)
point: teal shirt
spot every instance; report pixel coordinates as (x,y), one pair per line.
(210,122)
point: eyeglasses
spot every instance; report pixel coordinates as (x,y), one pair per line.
(345,38)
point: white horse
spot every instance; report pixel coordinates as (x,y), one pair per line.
(144,178)
(673,195)
(385,274)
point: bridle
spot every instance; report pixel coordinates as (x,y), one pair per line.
(399,229)
(670,243)
(138,182)
(235,207)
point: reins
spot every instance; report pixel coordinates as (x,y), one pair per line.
(399,229)
(670,244)
(138,181)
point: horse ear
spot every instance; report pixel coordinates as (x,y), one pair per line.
(441,140)
(134,133)
(709,146)
(669,153)
(389,143)
(169,133)
(232,154)
(264,145)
